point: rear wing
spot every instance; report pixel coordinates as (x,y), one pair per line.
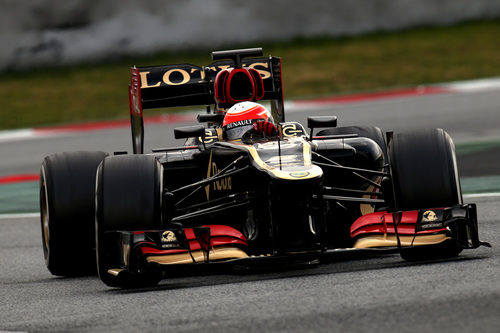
(186,84)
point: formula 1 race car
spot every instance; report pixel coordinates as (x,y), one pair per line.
(248,187)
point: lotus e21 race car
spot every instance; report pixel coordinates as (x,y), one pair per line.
(247,187)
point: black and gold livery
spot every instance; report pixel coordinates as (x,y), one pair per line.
(298,195)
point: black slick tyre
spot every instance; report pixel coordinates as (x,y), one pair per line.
(425,175)
(424,170)
(370,132)
(128,198)
(67,191)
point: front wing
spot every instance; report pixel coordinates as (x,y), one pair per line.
(174,248)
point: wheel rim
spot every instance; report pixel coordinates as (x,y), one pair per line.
(44,214)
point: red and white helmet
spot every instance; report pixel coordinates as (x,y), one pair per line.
(240,118)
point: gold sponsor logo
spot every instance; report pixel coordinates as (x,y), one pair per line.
(185,74)
(429,216)
(291,130)
(168,237)
(218,185)
(169,240)
(211,136)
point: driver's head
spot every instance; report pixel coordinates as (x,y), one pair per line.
(240,119)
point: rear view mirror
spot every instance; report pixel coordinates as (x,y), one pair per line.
(189,131)
(211,117)
(320,121)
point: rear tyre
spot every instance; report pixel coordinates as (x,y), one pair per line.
(67,188)
(425,175)
(370,132)
(128,198)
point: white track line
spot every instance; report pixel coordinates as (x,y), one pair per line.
(482,195)
(20,134)
(19,216)
(473,85)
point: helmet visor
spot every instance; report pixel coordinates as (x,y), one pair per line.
(236,133)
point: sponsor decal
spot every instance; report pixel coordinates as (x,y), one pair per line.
(210,136)
(184,74)
(292,130)
(240,123)
(169,239)
(223,184)
(429,219)
(429,216)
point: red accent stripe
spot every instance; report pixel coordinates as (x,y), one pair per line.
(416,91)
(152,250)
(382,222)
(402,230)
(19,178)
(224,231)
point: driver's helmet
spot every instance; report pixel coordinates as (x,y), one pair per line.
(240,119)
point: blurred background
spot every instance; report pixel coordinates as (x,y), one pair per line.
(67,61)
(53,32)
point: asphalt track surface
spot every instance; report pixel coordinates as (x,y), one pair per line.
(378,294)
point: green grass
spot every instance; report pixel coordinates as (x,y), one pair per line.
(311,67)
(476,147)
(484,184)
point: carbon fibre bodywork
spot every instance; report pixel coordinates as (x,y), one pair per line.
(291,197)
(283,196)
(241,203)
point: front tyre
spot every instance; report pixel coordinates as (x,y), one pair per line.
(424,170)
(425,175)
(128,198)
